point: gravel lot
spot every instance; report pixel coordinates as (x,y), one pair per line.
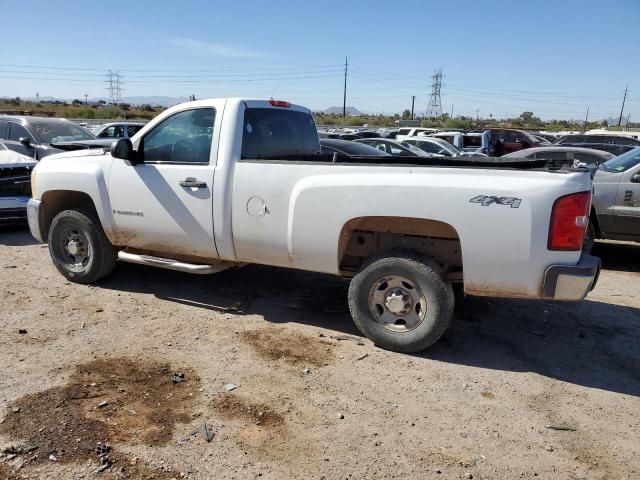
(143,360)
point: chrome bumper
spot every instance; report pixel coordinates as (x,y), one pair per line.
(571,282)
(35,217)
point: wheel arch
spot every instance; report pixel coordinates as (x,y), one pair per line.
(364,237)
(56,201)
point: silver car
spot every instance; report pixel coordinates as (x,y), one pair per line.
(615,210)
(118,130)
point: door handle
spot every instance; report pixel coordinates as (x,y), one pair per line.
(193,183)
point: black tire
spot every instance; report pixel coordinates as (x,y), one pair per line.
(426,276)
(84,229)
(589,238)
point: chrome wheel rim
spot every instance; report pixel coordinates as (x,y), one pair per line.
(397,303)
(75,249)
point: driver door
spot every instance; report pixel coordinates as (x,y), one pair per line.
(164,204)
(627,207)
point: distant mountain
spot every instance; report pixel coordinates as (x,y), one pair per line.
(338,111)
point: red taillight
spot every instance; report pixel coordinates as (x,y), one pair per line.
(569,220)
(279,103)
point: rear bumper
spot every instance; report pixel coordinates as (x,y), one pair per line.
(13,210)
(35,215)
(571,282)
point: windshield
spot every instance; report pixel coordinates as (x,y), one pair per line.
(623,162)
(60,132)
(448,146)
(414,149)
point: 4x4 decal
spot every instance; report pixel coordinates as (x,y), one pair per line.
(486,200)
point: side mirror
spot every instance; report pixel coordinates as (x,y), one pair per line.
(635,178)
(26,141)
(123,149)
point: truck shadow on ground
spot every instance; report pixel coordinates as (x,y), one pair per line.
(621,257)
(16,236)
(588,343)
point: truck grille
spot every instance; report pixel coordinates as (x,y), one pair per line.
(15,181)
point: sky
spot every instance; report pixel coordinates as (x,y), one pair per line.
(555,58)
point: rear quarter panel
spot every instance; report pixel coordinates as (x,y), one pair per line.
(504,249)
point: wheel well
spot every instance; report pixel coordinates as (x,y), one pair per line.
(365,237)
(56,201)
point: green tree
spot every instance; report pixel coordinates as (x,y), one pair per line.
(406,114)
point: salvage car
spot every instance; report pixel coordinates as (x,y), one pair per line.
(615,213)
(37,137)
(615,144)
(15,186)
(395,148)
(438,147)
(200,191)
(582,156)
(348,148)
(118,129)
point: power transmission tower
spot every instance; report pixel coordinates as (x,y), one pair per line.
(344,97)
(434,109)
(114,86)
(622,109)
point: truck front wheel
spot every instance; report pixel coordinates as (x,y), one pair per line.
(79,248)
(401,302)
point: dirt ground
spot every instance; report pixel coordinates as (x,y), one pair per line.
(260,372)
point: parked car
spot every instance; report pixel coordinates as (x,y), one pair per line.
(615,209)
(118,130)
(388,132)
(511,140)
(467,141)
(394,147)
(367,134)
(616,144)
(576,155)
(438,147)
(406,132)
(15,186)
(348,148)
(547,136)
(37,137)
(541,140)
(401,233)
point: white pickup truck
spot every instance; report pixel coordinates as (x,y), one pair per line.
(220,183)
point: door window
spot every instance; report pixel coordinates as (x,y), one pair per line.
(4,130)
(132,130)
(17,132)
(184,137)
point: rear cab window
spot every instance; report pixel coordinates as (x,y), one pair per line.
(278,134)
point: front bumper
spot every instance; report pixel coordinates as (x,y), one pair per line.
(571,282)
(13,210)
(35,215)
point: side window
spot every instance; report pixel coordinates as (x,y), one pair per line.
(17,132)
(587,158)
(184,137)
(132,130)
(429,147)
(118,131)
(510,137)
(107,132)
(3,130)
(551,155)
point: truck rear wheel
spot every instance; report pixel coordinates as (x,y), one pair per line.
(79,248)
(401,302)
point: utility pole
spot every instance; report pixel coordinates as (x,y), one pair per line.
(86,98)
(477,114)
(452,110)
(344,97)
(37,97)
(628,119)
(622,109)
(413,103)
(586,119)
